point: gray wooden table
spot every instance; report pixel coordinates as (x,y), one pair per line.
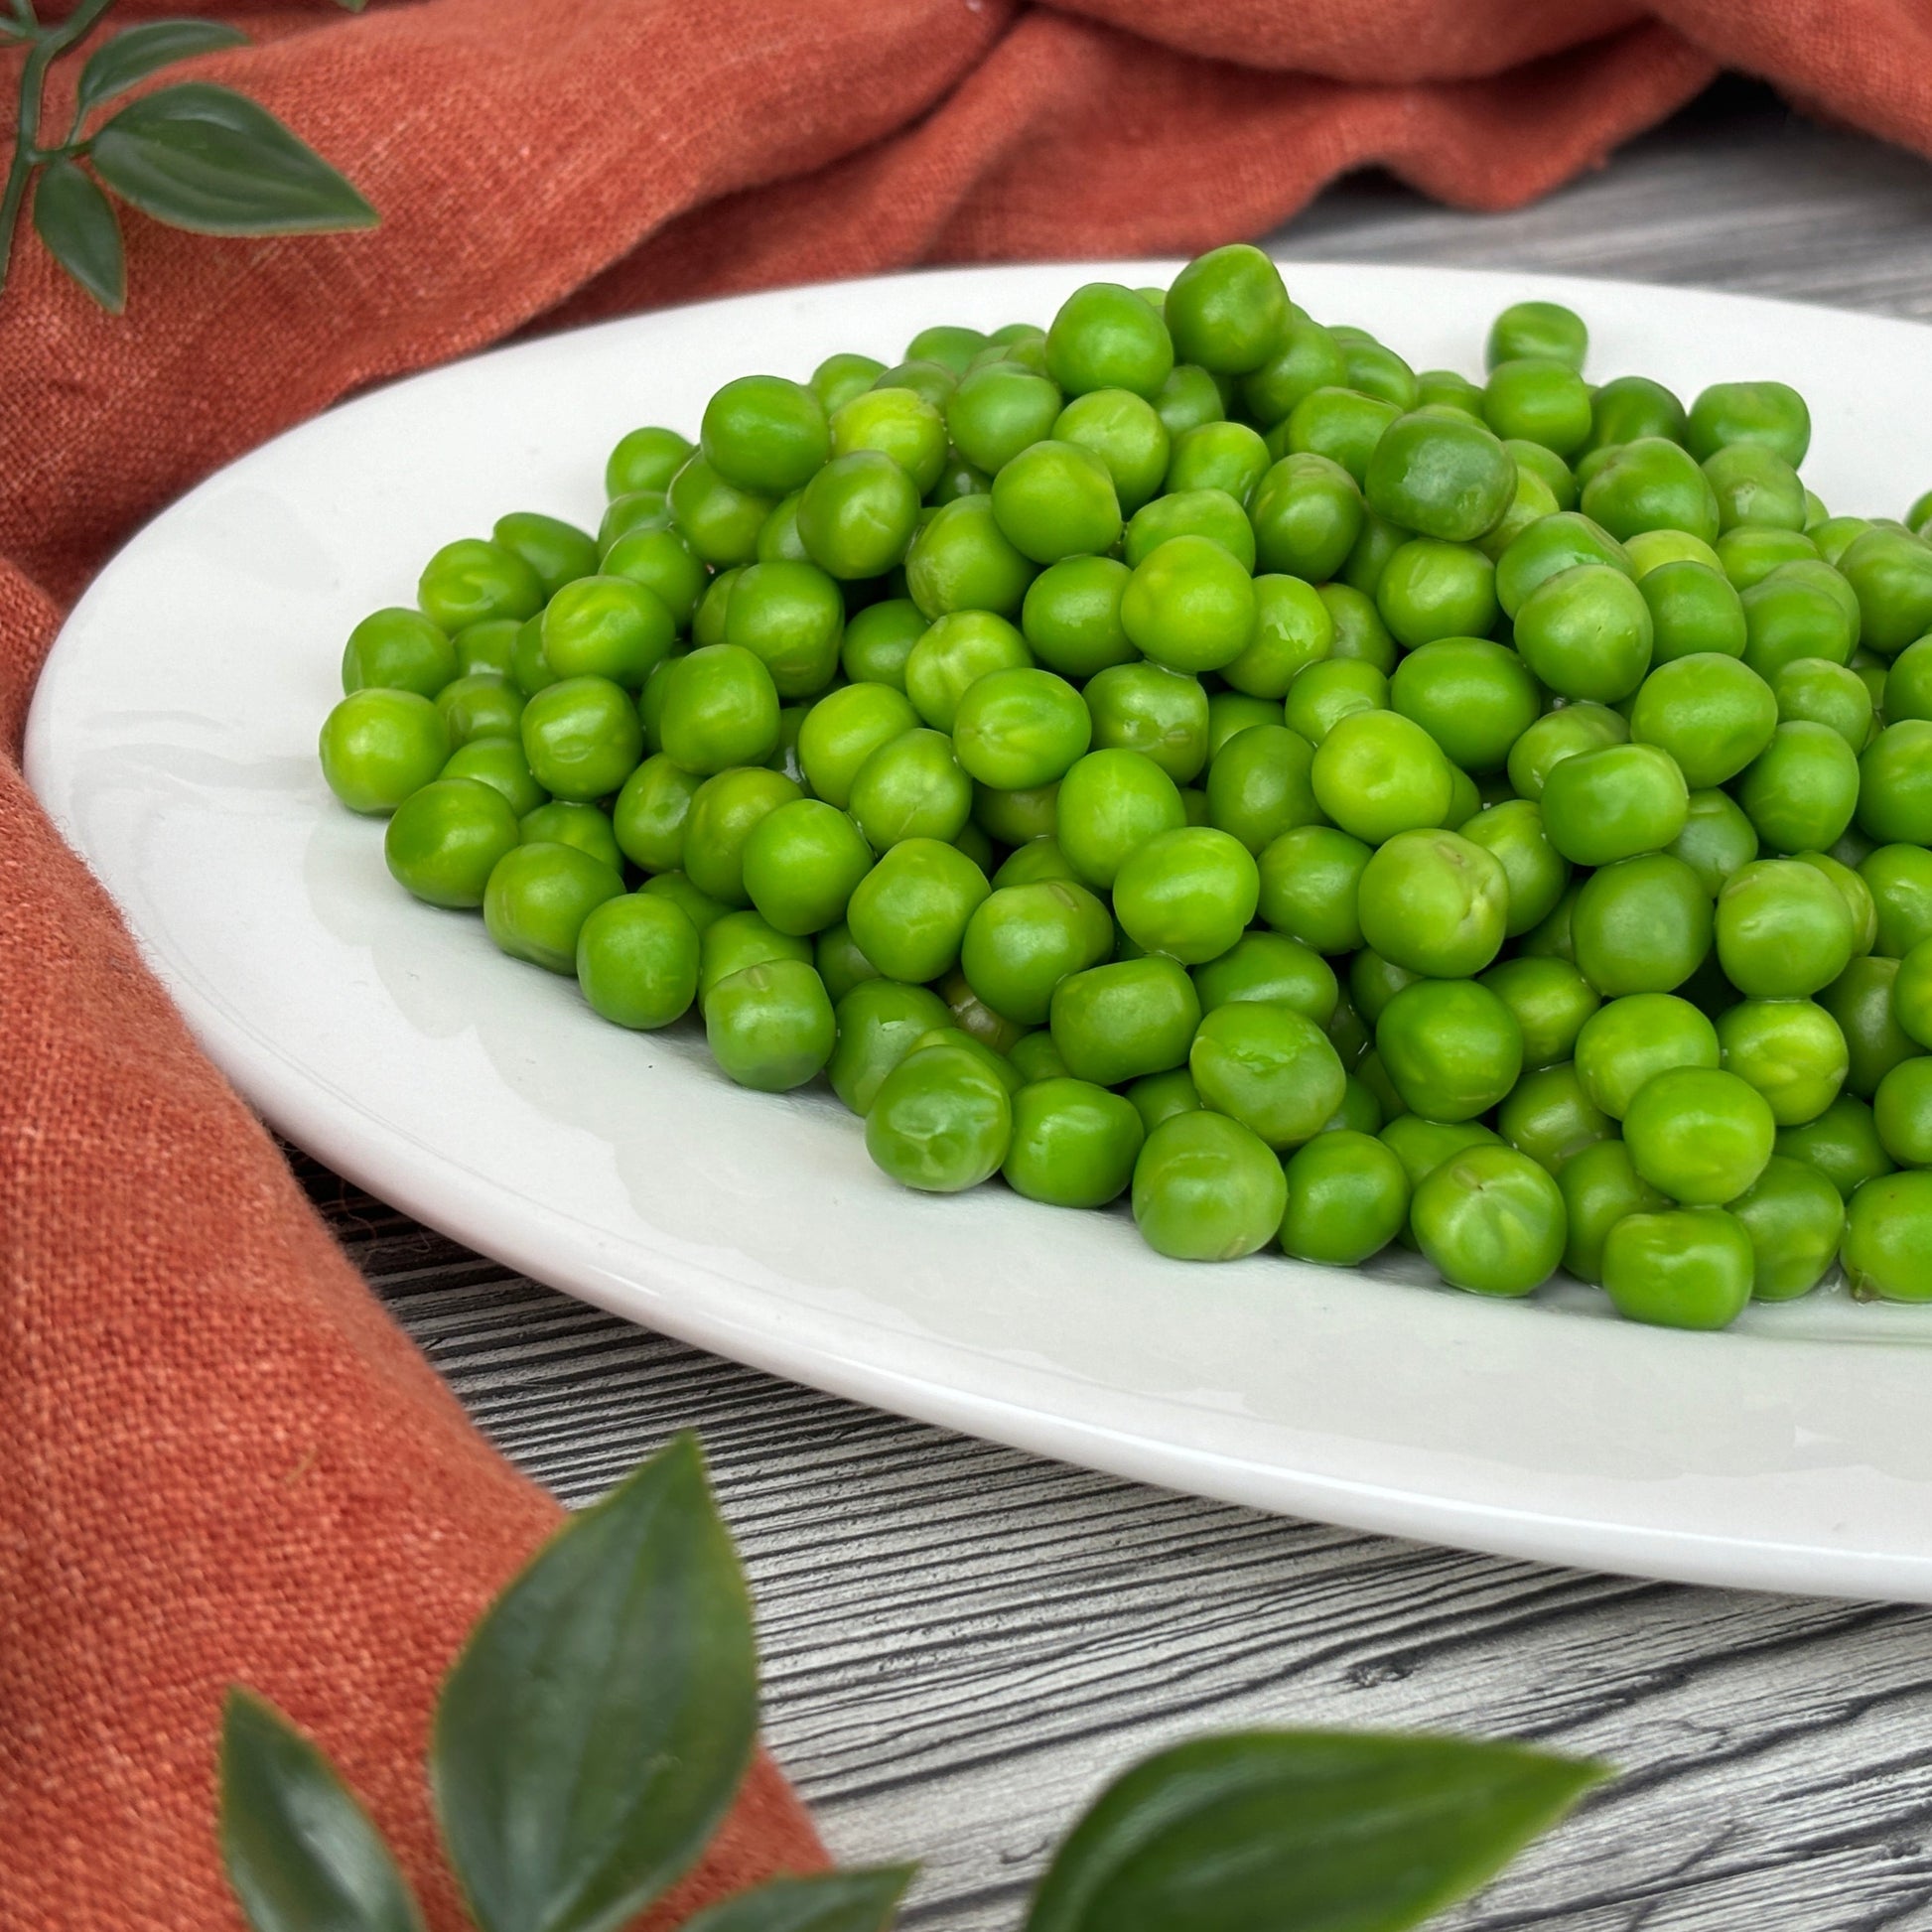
(962,1642)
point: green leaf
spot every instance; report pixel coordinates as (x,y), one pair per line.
(1302,1832)
(116,65)
(81,232)
(301,1853)
(832,1901)
(201,157)
(593,1732)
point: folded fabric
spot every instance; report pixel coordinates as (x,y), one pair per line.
(222,1461)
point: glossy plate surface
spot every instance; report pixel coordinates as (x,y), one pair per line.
(173,739)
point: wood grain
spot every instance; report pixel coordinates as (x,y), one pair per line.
(961,1642)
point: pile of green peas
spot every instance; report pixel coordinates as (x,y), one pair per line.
(1184,752)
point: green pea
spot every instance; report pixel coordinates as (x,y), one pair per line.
(1856,893)
(1447,389)
(1490,1220)
(1783,929)
(732,942)
(500,764)
(1189,893)
(1795,1219)
(479,706)
(879,640)
(857,515)
(490,646)
(1023,940)
(801,863)
(1630,1041)
(1361,634)
(843,730)
(1209,513)
(1902,1110)
(1432,589)
(1207,1189)
(1549,1001)
(1890,573)
(1842,1144)
(719,520)
(1307,512)
(1310,879)
(1159,1096)
(1259,785)
(1038,1058)
(1895,785)
(700,908)
(1900,881)
(719,709)
(1536,463)
(445,837)
(724,812)
(1376,774)
(1771,415)
(1600,806)
(1072,616)
(911,787)
(1130,1017)
(962,561)
(637,510)
(1187,397)
(999,409)
(1642,925)
(1057,500)
(1535,872)
(1347,1199)
(1340,423)
(909,913)
(645,458)
(1911,993)
(1630,406)
(1862,1001)
(1540,400)
(764,434)
(637,961)
(956,652)
(1158,713)
(1554,937)
(1711,713)
(1126,434)
(1265,966)
(538,897)
(1908,683)
(608,627)
(790,616)
(1269,1067)
(1550,547)
(841,965)
(1700,1136)
(771,1027)
(1680,1268)
(1434,902)
(1450,1047)
(1018,816)
(1601,1189)
(1229,712)
(379,745)
(879,1022)
(1559,735)
(1717,841)
(1651,550)
(1791,1050)
(1368,557)
(1651,484)
(940,1121)
(1545,329)
(708,621)
(472,581)
(399,650)
(1748,555)
(1322,694)
(1887,1249)
(1104,337)
(1835,535)
(1587,634)
(1229,457)
(894,420)
(583,826)
(1306,357)
(1074,1144)
(1813,690)
(1474,697)
(1227,310)
(1019,728)
(1548,1116)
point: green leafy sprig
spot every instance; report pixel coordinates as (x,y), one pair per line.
(193,155)
(595,1728)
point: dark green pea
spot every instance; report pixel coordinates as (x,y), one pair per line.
(645,458)
(956,652)
(723,813)
(1023,940)
(1599,1188)
(1842,1144)
(718,709)
(1550,1000)
(649,815)
(1309,881)
(1542,329)
(1628,1042)
(734,941)
(1490,1220)
(1434,902)
(719,521)
(1269,1067)
(1693,612)
(1197,513)
(962,561)
(1801,792)
(399,650)
(1770,414)
(1072,616)
(1360,633)
(472,581)
(1678,1267)
(1783,931)
(1347,1199)
(910,912)
(490,646)
(1292,630)
(1651,485)
(380,746)
(607,628)
(1145,708)
(1895,785)
(664,564)
(1432,589)
(1160,1096)
(1368,556)
(637,961)
(1126,434)
(879,640)
(1306,357)
(1206,1188)
(1074,1144)
(1323,693)
(857,515)
(445,837)
(1307,512)
(500,764)
(1259,785)
(1631,406)
(557,551)
(1229,457)
(1227,310)
(911,787)
(1339,423)
(1548,1116)
(940,1121)
(1550,547)
(1891,573)
(538,897)
(1117,1021)
(563,823)
(1440,476)
(1104,337)
(1700,1135)
(771,1027)
(1611,804)
(997,410)
(479,706)
(1190,396)
(843,730)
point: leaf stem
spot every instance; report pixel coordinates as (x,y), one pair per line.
(48,44)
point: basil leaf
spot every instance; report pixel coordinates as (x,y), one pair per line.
(593,1732)
(301,1853)
(81,232)
(832,1901)
(201,157)
(116,65)
(1302,1832)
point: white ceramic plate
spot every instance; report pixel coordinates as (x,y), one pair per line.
(173,739)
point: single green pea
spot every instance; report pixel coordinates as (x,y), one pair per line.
(1360,635)
(956,652)
(399,650)
(1549,1001)
(909,913)
(1799,609)
(1188,397)
(1265,966)
(1539,399)
(500,764)
(1651,484)
(1587,634)
(1554,937)
(538,897)
(1126,434)
(708,621)
(1443,477)
(1074,1145)
(725,810)
(1601,1189)
(1535,872)
(637,961)
(445,840)
(878,1022)
(1630,1040)
(1558,735)
(801,863)
(1446,388)
(1130,1017)
(1748,555)
(1373,982)
(1269,1067)
(1306,511)
(719,709)
(1801,792)
(1888,1248)
(1895,785)
(1310,880)
(1434,902)
(638,511)
(1323,693)
(1900,881)
(734,941)
(489,648)
(1890,573)
(645,458)
(1783,929)
(771,1027)
(1908,683)
(1652,550)
(1700,1134)
(1550,547)
(1791,1050)
(1474,697)
(1756,488)
(1770,414)
(1369,555)
(719,521)
(841,965)
(1189,893)
(1016,817)
(583,826)
(1631,406)
(857,515)
(1207,1189)
(1795,1219)
(1813,690)
(1911,994)
(1711,713)
(1546,329)
(1862,1001)
(1057,500)
(609,627)
(479,706)
(1023,940)
(843,730)
(1347,1199)
(1105,337)
(1159,1096)
(947,344)
(1450,1047)
(1642,925)
(962,561)
(1227,310)
(1306,357)
(1019,726)
(1902,1110)
(1230,713)
(1158,713)
(1548,1116)
(1490,1220)
(892,420)
(940,1121)
(1678,1267)
(1542,464)
(1842,1144)
(1717,841)
(1835,535)
(1531,500)
(1038,1058)
(911,787)
(997,410)
(1600,806)
(471,581)
(1258,786)
(1377,774)
(790,616)
(879,640)
(1072,616)
(1432,589)
(1337,422)
(1229,457)
(1207,513)
(379,745)
(662,562)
